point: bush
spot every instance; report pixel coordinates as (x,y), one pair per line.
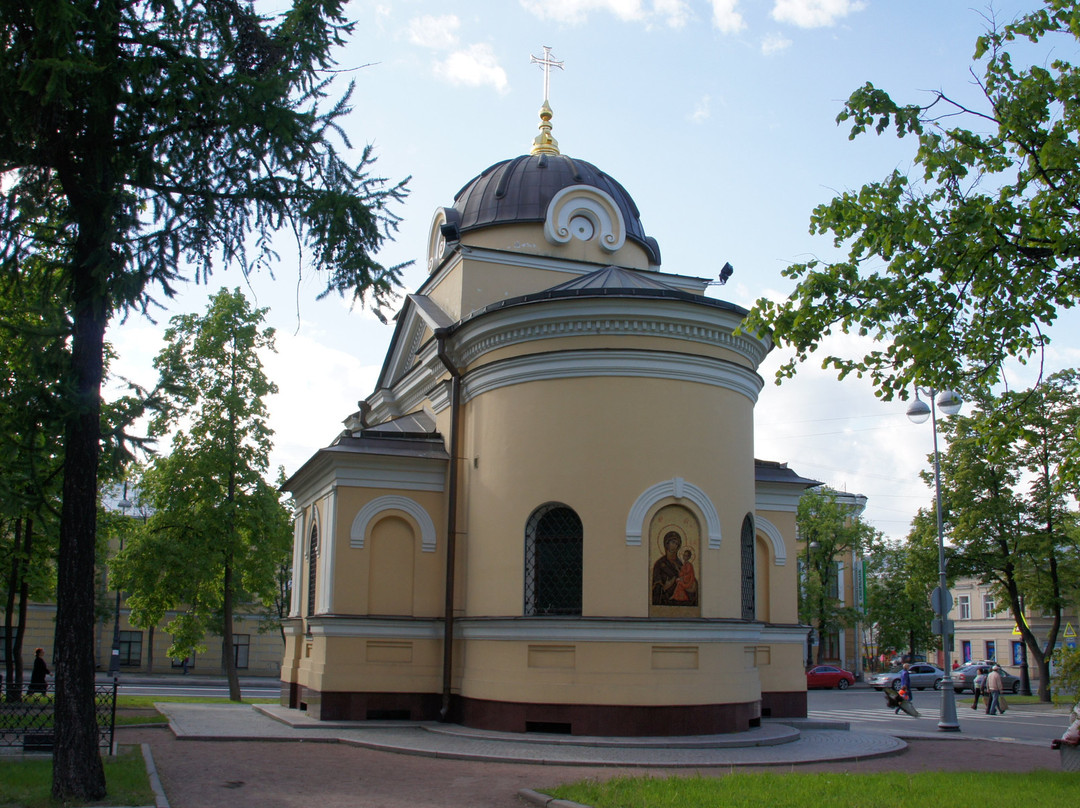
(1066,675)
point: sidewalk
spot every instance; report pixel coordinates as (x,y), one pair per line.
(222,756)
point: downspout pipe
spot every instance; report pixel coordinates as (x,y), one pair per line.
(441,336)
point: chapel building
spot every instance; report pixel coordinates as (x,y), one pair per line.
(548,515)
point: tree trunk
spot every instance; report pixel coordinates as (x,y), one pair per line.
(77,771)
(24,604)
(227,651)
(14,693)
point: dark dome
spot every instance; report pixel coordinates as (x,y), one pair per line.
(519,190)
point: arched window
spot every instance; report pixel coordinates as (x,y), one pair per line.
(313,558)
(553,538)
(746,539)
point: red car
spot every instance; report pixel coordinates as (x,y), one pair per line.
(828,676)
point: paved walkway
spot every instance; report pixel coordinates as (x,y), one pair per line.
(224,755)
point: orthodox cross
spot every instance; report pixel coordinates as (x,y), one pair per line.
(546,63)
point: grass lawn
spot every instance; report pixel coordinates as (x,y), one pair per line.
(28,783)
(818,790)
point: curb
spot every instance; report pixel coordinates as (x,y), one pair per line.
(544,801)
(160,800)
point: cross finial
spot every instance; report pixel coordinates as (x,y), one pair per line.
(546,62)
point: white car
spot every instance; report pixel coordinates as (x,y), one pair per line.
(923,675)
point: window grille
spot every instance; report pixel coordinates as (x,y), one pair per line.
(553,545)
(313,557)
(749,605)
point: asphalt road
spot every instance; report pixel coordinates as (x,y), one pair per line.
(865,709)
(199,686)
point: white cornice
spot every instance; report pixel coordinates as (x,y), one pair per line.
(556,318)
(556,629)
(330,468)
(639,364)
(778,497)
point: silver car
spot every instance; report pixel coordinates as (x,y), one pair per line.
(964,678)
(923,675)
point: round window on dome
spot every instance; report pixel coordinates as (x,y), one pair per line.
(582,227)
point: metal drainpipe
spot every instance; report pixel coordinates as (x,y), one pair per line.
(451,522)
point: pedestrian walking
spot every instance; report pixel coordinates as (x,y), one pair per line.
(978,687)
(994,685)
(38,674)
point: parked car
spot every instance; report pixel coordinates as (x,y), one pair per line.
(964,677)
(829,676)
(923,675)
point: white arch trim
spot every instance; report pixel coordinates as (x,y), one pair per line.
(393,503)
(677,488)
(763,525)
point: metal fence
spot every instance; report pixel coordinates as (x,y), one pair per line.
(29,721)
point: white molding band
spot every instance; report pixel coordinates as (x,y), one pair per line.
(298,565)
(556,629)
(327,546)
(392,502)
(595,205)
(676,488)
(686,320)
(763,525)
(625,363)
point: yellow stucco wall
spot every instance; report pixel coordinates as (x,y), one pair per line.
(520,441)
(529,239)
(641,673)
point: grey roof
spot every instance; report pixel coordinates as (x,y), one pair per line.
(415,424)
(520,189)
(613,281)
(770,471)
(613,277)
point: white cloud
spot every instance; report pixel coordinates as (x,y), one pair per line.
(814,13)
(773,43)
(438,33)
(675,12)
(476,66)
(726,17)
(575,12)
(701,110)
(318,386)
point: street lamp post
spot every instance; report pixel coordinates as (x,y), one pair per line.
(949,403)
(114,659)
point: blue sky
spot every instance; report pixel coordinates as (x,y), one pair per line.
(718,118)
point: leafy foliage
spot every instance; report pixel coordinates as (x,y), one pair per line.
(967,261)
(1009,479)
(832,531)
(897,595)
(144,142)
(218,533)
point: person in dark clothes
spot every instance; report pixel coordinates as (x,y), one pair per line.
(37,676)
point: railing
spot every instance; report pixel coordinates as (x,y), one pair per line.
(28,723)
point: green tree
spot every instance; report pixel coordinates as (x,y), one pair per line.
(217,533)
(33,357)
(1008,495)
(897,609)
(144,142)
(831,530)
(967,261)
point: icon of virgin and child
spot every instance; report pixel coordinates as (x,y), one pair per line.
(674,582)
